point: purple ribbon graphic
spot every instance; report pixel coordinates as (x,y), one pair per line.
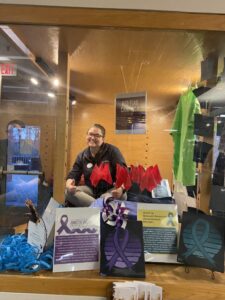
(115,214)
(119,249)
(64,222)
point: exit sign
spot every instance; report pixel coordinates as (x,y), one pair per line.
(8,69)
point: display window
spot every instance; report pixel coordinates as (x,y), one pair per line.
(97,113)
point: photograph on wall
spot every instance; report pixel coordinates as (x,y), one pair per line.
(131,113)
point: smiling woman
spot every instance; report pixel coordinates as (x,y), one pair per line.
(97,156)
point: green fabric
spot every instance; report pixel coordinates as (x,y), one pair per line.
(183,136)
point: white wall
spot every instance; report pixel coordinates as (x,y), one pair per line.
(207,6)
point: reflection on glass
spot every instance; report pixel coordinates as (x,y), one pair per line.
(24,148)
(19,188)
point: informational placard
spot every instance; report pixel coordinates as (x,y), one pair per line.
(77,239)
(160,231)
(39,234)
(131,113)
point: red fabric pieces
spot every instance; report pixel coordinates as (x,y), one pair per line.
(137,173)
(157,174)
(122,177)
(101,172)
(150,178)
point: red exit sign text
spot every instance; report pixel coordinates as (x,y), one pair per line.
(8,69)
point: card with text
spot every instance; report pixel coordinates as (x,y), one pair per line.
(77,237)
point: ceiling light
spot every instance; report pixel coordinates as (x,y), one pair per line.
(34,81)
(73,102)
(51,95)
(55,82)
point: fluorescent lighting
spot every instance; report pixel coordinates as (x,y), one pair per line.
(51,95)
(13,57)
(34,81)
(222,116)
(4,58)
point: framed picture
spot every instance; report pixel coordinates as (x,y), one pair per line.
(131,113)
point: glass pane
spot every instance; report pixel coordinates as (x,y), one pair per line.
(20,188)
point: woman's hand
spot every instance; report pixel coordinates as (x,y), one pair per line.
(70,186)
(117,193)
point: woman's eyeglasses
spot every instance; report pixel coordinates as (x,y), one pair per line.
(95,135)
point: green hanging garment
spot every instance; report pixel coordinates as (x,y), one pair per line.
(183,136)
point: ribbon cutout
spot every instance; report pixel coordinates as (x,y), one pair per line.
(101,172)
(200,242)
(119,249)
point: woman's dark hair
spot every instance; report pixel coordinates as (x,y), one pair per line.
(99,126)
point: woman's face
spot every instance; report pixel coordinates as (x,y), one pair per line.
(94,137)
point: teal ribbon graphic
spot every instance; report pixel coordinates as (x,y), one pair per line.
(199,242)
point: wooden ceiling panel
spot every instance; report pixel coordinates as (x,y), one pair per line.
(113,61)
(105,62)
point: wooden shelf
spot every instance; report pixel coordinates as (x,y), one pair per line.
(176,283)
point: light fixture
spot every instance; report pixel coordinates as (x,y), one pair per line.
(73,102)
(34,81)
(51,95)
(4,58)
(55,82)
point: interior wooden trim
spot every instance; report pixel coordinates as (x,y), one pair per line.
(90,17)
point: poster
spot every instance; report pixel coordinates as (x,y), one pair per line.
(160,231)
(122,250)
(77,238)
(131,113)
(202,241)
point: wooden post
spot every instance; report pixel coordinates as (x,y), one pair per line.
(62,116)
